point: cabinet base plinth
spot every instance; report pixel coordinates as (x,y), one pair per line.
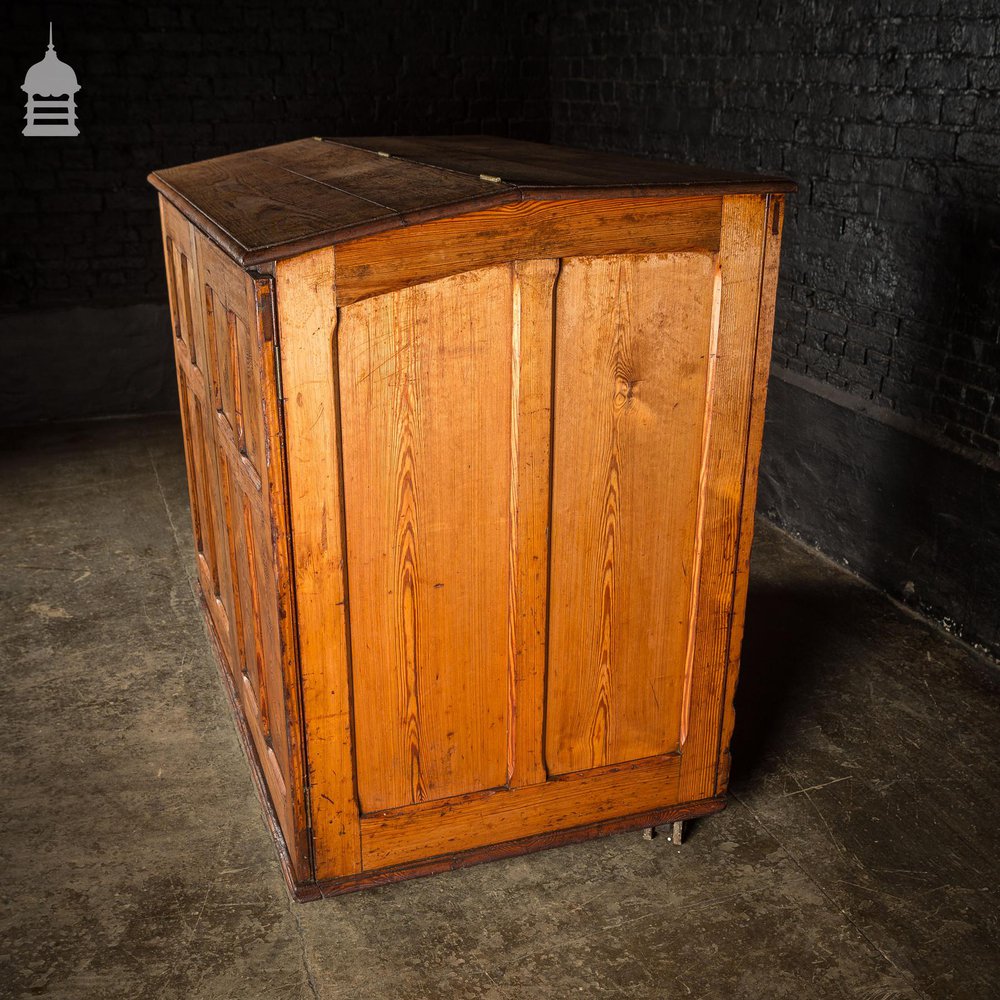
(512,848)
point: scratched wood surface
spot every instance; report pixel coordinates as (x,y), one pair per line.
(537,166)
(527,230)
(632,347)
(231,431)
(279,201)
(425,396)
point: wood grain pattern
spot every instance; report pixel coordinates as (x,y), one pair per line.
(740,261)
(260,204)
(531,404)
(536,166)
(455,860)
(279,201)
(307,319)
(425,831)
(472,485)
(382,263)
(632,348)
(773,219)
(237,500)
(425,398)
(401,186)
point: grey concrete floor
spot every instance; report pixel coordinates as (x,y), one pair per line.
(858,858)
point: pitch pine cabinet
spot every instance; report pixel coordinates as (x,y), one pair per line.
(472,429)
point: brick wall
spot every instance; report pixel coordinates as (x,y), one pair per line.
(167,83)
(888,116)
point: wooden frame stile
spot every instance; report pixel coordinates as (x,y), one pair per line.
(260,288)
(773,223)
(532,356)
(308,316)
(725,456)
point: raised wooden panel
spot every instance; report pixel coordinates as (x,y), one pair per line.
(237,500)
(633,340)
(425,390)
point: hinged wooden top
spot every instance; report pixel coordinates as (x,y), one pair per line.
(270,203)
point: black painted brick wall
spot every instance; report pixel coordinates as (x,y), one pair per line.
(887,113)
(167,83)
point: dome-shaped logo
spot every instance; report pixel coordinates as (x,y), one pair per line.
(51,88)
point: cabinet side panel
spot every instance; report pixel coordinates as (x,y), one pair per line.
(426,404)
(224,384)
(631,369)
(740,259)
(307,333)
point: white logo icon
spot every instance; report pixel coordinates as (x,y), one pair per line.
(51,86)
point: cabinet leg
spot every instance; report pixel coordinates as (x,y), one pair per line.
(677,833)
(648,832)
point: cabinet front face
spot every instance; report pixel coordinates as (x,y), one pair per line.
(540,470)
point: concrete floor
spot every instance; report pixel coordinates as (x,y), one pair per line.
(860,855)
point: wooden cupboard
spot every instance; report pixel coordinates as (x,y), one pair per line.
(472,429)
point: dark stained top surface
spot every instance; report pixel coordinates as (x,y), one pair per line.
(273,202)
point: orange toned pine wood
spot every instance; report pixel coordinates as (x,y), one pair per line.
(472,468)
(261,304)
(237,499)
(773,220)
(524,230)
(425,390)
(720,514)
(575,800)
(307,320)
(530,464)
(631,370)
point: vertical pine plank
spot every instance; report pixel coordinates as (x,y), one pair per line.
(631,363)
(425,394)
(740,261)
(307,321)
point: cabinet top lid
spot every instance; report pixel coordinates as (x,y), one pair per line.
(278,201)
